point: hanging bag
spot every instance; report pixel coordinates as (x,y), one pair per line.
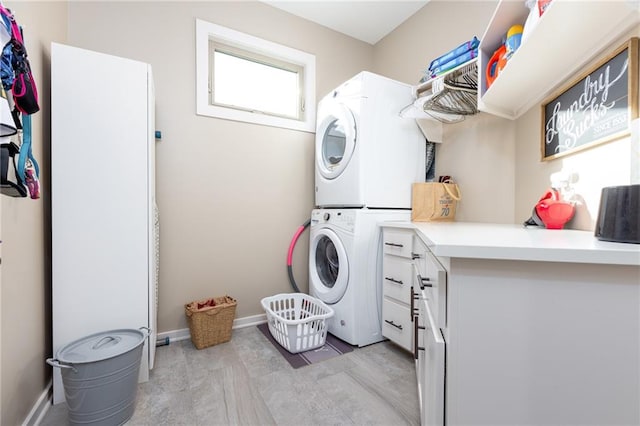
(16,70)
(25,92)
(15,74)
(434,201)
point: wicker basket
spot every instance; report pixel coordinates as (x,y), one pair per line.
(210,325)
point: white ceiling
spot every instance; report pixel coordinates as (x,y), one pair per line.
(368,21)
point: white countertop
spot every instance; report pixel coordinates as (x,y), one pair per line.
(515,242)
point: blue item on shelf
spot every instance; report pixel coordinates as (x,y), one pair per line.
(458,51)
(458,60)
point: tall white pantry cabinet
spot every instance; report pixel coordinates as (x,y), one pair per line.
(103,214)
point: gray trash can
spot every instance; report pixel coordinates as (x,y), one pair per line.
(100,375)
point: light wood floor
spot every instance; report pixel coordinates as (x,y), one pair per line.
(247,382)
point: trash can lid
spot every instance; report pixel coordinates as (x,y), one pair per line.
(100,346)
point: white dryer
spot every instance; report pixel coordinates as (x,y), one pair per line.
(345,262)
(366,154)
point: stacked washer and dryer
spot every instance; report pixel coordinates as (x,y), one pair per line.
(367,157)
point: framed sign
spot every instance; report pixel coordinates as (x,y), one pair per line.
(595,108)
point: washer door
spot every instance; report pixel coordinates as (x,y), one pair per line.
(328,266)
(335,141)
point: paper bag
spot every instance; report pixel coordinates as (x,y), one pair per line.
(434,201)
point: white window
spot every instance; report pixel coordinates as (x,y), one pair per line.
(245,78)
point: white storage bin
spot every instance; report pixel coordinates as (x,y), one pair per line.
(297,321)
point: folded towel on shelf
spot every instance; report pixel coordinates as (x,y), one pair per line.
(452,54)
(458,60)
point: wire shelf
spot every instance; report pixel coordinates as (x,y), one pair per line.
(451,97)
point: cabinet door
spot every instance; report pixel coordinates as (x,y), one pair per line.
(432,368)
(99,196)
(436,278)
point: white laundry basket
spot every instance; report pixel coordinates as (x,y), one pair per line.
(297,321)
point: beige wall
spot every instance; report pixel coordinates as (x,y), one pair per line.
(25,270)
(479,153)
(604,165)
(496,161)
(436,28)
(230,194)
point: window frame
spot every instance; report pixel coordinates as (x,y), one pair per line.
(207,32)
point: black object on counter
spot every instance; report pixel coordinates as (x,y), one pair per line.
(619,214)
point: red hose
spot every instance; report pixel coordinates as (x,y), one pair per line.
(290,254)
(293,243)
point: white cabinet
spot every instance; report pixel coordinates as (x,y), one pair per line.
(568,35)
(103,198)
(430,319)
(414,313)
(430,364)
(397,286)
(536,326)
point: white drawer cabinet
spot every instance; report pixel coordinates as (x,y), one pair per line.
(397,325)
(398,242)
(533,313)
(407,267)
(397,281)
(397,278)
(414,313)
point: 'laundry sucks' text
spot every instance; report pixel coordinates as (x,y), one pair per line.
(568,125)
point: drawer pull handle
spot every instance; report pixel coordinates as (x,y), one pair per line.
(393,280)
(415,256)
(424,282)
(416,348)
(414,310)
(393,245)
(391,323)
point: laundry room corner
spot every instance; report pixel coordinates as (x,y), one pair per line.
(230,194)
(478,152)
(273,212)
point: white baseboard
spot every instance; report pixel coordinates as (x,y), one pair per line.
(40,408)
(174,335)
(249,321)
(184,334)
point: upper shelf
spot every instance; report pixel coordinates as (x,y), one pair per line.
(566,36)
(451,96)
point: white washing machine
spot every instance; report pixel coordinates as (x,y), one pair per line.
(366,154)
(345,263)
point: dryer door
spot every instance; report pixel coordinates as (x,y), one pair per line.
(328,266)
(335,141)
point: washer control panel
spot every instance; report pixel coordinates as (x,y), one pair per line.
(343,219)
